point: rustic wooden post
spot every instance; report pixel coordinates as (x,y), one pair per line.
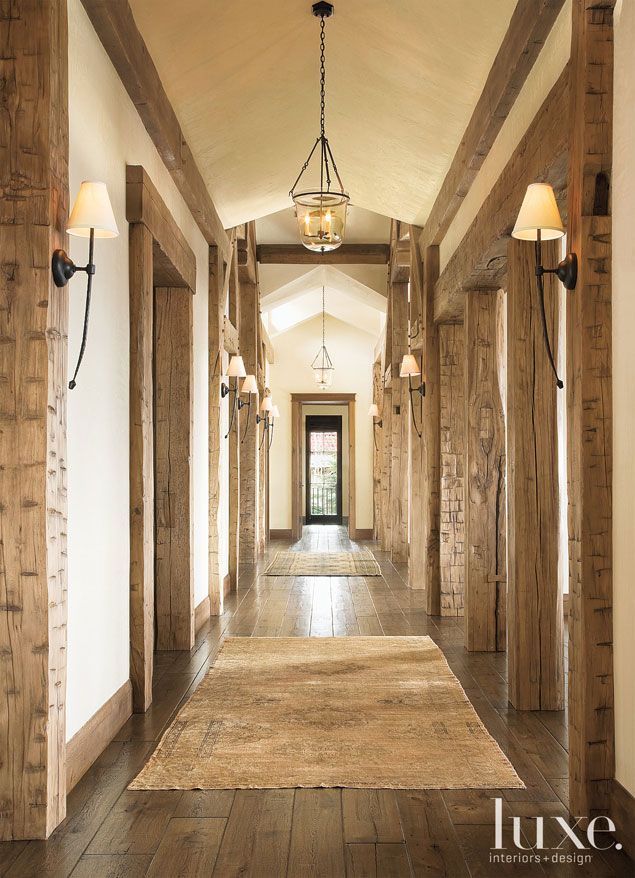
(416,565)
(249,452)
(377,445)
(34,327)
(263,511)
(215,368)
(173,427)
(589,400)
(485,473)
(431,439)
(386,466)
(452,495)
(400,425)
(535,615)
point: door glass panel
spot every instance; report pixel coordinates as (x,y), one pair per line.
(323,473)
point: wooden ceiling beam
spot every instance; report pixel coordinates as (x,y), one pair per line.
(480,260)
(116,28)
(346,254)
(528,29)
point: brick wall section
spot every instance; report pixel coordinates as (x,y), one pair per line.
(452,386)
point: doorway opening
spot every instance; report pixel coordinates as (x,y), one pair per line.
(323,479)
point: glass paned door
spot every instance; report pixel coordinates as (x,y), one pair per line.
(323,469)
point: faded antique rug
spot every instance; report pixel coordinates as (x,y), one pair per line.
(360,563)
(383,712)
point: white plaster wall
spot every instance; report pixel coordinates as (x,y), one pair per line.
(105,135)
(352,352)
(624,391)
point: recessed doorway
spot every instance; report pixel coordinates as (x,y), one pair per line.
(323,473)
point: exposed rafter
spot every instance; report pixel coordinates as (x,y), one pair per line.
(528,29)
(116,28)
(480,261)
(346,254)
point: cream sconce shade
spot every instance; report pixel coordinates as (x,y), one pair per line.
(373,411)
(236,368)
(266,405)
(249,385)
(275,412)
(91,217)
(539,212)
(409,366)
(539,220)
(92,210)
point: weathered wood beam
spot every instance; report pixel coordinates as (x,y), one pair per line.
(528,29)
(173,428)
(141,296)
(215,322)
(589,401)
(34,330)
(534,612)
(480,260)
(231,342)
(416,563)
(485,473)
(267,344)
(377,451)
(249,436)
(346,254)
(145,205)
(400,425)
(247,263)
(116,28)
(430,429)
(452,448)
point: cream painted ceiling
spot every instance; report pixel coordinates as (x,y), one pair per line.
(402,80)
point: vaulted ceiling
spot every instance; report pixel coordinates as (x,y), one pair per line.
(402,81)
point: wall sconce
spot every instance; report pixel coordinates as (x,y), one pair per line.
(373,412)
(273,417)
(266,418)
(539,220)
(249,387)
(410,367)
(92,217)
(236,370)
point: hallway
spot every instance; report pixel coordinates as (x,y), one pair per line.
(110,831)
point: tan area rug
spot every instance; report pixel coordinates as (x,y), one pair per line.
(383,712)
(360,563)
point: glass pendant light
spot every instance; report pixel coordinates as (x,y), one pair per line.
(322,365)
(321,213)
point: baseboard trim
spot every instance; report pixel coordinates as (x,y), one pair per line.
(365,533)
(623,815)
(92,739)
(201,614)
(280,534)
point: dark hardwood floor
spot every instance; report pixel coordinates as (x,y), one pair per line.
(110,831)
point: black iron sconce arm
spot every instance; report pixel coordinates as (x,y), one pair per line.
(267,426)
(567,273)
(421,390)
(377,423)
(63,268)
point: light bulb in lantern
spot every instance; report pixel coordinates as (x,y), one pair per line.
(321,219)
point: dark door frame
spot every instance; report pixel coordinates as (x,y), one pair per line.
(316,424)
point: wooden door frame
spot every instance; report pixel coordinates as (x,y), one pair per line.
(316,397)
(336,422)
(159,256)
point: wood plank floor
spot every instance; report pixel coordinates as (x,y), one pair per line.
(112,832)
